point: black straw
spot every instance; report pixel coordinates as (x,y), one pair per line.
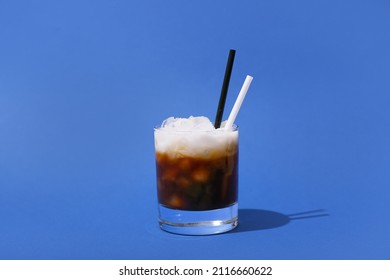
(225,86)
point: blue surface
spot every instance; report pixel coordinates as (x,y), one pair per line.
(83,83)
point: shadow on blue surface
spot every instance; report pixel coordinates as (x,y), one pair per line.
(258,219)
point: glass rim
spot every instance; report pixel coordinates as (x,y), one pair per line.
(160,128)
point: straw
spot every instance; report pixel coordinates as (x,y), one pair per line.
(225,86)
(237,104)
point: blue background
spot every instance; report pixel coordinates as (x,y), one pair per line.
(83,83)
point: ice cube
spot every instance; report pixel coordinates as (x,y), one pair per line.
(202,124)
(169,122)
(188,124)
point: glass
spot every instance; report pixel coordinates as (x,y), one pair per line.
(197,180)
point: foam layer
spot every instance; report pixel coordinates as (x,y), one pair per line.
(194,137)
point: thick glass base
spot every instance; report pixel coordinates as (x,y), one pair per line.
(198,222)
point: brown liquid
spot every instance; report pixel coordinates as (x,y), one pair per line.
(189,183)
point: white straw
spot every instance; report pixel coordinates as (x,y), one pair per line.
(239,100)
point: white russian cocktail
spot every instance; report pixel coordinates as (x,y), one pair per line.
(197,176)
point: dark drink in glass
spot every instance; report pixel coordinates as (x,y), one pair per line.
(197,177)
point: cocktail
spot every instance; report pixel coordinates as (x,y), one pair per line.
(197,170)
(197,176)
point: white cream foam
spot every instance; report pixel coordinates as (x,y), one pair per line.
(195,137)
